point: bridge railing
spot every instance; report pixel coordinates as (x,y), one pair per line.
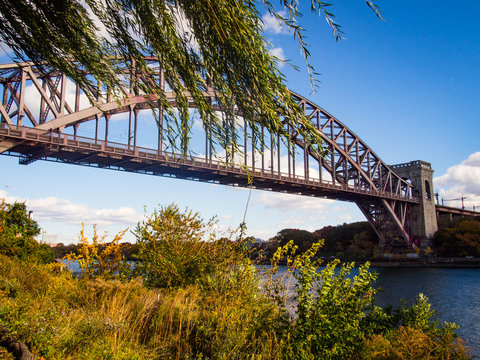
(175,159)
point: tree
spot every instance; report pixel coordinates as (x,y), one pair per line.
(16,235)
(356,240)
(301,238)
(199,44)
(171,247)
(461,240)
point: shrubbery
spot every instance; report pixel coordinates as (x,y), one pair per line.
(172,251)
(100,257)
(17,233)
(463,239)
(336,317)
(198,299)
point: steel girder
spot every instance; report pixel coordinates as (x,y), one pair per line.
(350,163)
(349,159)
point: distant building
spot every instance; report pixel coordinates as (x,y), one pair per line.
(49,239)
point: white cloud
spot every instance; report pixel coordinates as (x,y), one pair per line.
(272,25)
(8,199)
(278,52)
(296,222)
(317,218)
(221,230)
(53,209)
(261,234)
(101,29)
(280,55)
(345,217)
(184,29)
(461,180)
(289,202)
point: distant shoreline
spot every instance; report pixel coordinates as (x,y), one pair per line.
(448,263)
(460,263)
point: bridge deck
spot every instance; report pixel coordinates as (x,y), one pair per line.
(456,211)
(66,148)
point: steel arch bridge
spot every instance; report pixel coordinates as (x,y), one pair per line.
(45,116)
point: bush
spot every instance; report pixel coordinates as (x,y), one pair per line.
(408,343)
(61,317)
(100,257)
(172,251)
(331,308)
(214,307)
(336,317)
(16,235)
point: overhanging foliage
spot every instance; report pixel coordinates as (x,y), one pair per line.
(199,44)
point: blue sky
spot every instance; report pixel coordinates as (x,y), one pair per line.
(408,86)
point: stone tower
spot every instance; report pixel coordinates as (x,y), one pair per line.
(424,218)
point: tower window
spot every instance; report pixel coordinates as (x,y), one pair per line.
(428,194)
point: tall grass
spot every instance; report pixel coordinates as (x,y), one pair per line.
(213,307)
(60,317)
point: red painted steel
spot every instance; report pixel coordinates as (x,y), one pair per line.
(42,114)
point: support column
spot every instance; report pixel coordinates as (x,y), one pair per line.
(424,218)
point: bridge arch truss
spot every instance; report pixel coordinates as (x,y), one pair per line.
(45,116)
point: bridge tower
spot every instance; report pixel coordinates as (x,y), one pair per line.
(424,219)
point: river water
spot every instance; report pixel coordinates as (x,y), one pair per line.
(453,293)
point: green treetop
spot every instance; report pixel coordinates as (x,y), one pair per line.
(17,230)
